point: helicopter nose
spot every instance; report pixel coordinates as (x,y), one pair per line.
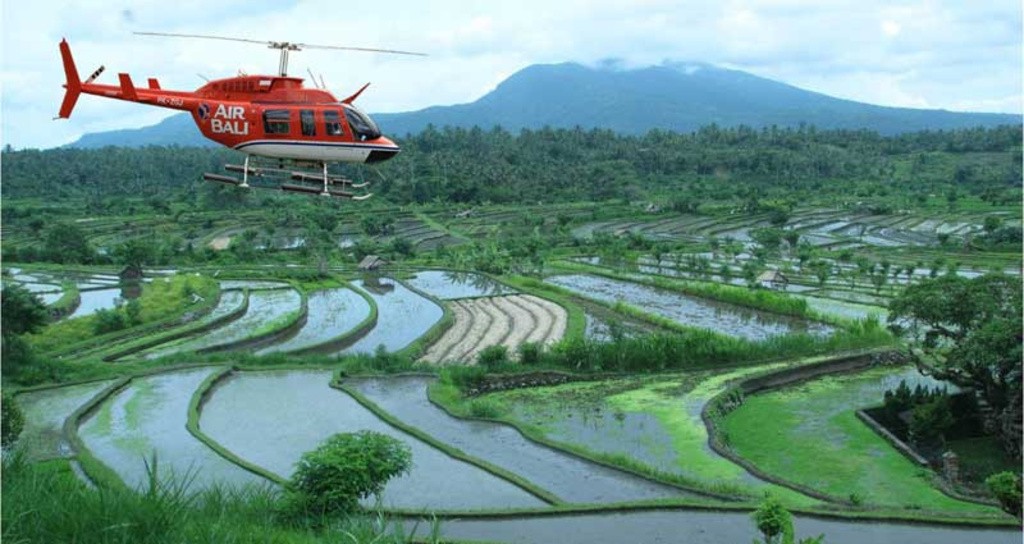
(384,149)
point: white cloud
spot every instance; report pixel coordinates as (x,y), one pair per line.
(921,53)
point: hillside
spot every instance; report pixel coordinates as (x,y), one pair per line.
(681,98)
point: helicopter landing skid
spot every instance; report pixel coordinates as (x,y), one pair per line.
(296,179)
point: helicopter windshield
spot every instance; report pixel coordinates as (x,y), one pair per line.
(362,126)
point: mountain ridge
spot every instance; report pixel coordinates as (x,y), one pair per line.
(680,97)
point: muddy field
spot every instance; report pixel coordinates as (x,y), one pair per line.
(507,320)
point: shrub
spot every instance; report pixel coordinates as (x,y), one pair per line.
(107,320)
(11,421)
(772,519)
(493,356)
(529,353)
(930,421)
(463,377)
(1006,486)
(485,408)
(345,468)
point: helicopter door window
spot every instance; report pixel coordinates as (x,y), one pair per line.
(332,124)
(307,122)
(276,122)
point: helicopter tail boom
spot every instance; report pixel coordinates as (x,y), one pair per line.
(73,85)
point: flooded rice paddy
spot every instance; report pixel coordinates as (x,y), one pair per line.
(265,308)
(686,310)
(568,477)
(93,301)
(702,527)
(148,417)
(271,418)
(402,317)
(448,285)
(45,412)
(331,313)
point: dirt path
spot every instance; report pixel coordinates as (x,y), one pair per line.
(507,320)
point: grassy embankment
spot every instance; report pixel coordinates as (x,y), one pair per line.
(809,434)
(162,301)
(542,412)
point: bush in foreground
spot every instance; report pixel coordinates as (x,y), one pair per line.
(345,468)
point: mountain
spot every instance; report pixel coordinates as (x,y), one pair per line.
(680,97)
(177,129)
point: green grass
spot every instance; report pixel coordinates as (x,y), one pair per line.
(981,457)
(664,397)
(161,300)
(48,503)
(809,434)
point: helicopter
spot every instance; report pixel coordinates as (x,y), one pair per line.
(289,133)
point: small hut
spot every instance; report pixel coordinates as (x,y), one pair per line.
(371,262)
(773,279)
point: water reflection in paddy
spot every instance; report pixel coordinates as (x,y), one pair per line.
(692,311)
(148,417)
(272,418)
(402,317)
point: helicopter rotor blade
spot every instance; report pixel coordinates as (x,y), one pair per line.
(362,49)
(203,36)
(280,45)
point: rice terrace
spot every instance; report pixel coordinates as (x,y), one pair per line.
(782,326)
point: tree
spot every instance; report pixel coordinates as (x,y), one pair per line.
(134,253)
(792,237)
(21,312)
(769,238)
(12,420)
(776,523)
(992,223)
(822,271)
(345,468)
(66,243)
(773,520)
(968,331)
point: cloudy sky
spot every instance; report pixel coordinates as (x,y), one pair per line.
(956,55)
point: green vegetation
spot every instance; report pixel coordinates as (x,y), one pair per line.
(825,208)
(969,333)
(1006,487)
(163,300)
(22,313)
(776,523)
(699,349)
(345,468)
(810,435)
(759,299)
(543,411)
(12,421)
(46,502)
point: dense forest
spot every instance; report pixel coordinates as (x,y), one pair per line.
(557,165)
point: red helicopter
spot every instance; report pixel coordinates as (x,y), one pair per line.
(301,130)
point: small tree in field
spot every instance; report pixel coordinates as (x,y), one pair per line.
(776,523)
(345,468)
(773,520)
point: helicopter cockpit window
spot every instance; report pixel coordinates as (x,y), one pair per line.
(362,126)
(276,122)
(332,123)
(306,120)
